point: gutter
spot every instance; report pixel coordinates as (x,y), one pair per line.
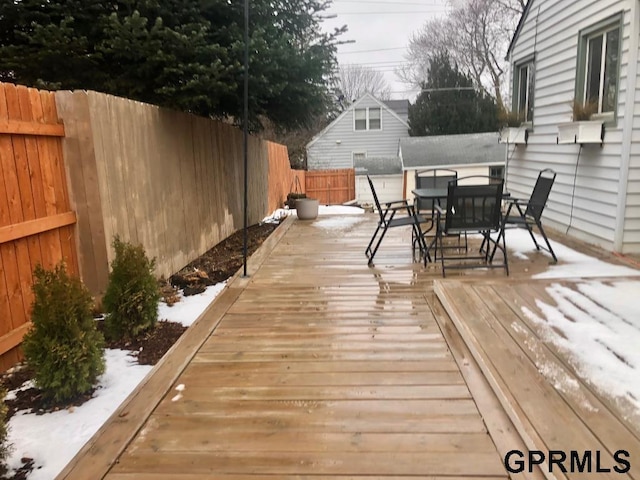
(627,133)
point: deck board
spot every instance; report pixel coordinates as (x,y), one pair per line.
(318,366)
(550,404)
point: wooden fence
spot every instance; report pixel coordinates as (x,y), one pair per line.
(168,180)
(36,221)
(331,187)
(281,176)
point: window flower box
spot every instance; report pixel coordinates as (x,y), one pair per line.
(586,131)
(514,135)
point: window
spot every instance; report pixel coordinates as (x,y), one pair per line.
(523,83)
(599,66)
(374,119)
(361,118)
(357,156)
(496,173)
(367,119)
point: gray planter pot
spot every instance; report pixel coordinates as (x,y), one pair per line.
(307,208)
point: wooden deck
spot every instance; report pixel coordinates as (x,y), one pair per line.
(319,366)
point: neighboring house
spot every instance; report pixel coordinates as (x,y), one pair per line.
(368,128)
(386,175)
(468,154)
(583,50)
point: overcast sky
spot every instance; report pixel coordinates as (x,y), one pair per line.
(381,30)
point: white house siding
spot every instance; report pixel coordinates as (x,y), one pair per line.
(335,146)
(631,238)
(551,29)
(388,188)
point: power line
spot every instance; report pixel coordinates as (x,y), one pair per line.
(387,63)
(368,2)
(375,50)
(405,12)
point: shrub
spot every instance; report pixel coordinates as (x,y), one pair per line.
(131,299)
(63,346)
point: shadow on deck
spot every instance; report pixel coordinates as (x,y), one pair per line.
(319,366)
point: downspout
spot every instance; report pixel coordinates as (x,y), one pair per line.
(632,79)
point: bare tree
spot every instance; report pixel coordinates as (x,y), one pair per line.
(476,34)
(356,80)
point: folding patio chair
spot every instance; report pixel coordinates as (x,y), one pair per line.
(388,219)
(472,207)
(433,178)
(527,214)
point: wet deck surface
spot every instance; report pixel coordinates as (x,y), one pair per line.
(315,366)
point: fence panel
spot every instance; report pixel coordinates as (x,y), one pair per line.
(331,187)
(281,176)
(36,221)
(168,180)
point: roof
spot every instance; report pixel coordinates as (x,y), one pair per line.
(440,150)
(348,110)
(401,107)
(516,34)
(377,166)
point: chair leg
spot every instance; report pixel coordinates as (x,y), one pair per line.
(504,251)
(373,253)
(439,237)
(544,235)
(501,233)
(368,249)
(533,237)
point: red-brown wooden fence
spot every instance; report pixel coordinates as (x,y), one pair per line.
(331,187)
(36,221)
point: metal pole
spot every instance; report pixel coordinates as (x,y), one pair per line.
(246,132)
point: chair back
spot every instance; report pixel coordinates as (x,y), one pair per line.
(433,178)
(473,205)
(540,193)
(375,198)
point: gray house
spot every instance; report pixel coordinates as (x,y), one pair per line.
(368,128)
(583,50)
(468,154)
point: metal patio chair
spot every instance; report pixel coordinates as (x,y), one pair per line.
(528,213)
(433,178)
(473,207)
(388,219)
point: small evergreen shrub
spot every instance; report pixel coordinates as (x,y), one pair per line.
(63,346)
(131,299)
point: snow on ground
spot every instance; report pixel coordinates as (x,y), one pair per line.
(597,326)
(322,211)
(188,309)
(53,439)
(571,264)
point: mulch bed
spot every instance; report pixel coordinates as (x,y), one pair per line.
(216,265)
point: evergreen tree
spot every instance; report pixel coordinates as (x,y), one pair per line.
(183,54)
(450,103)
